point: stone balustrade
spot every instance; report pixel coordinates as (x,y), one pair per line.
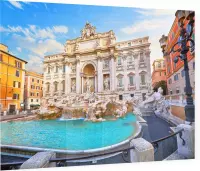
(177,99)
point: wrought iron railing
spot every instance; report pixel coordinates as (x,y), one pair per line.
(156,142)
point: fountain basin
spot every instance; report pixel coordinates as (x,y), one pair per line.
(71,136)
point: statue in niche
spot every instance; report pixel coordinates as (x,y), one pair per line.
(73,86)
(106,83)
(88,85)
(106,64)
(88,31)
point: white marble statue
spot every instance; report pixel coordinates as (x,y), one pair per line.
(74,86)
(88,85)
(106,83)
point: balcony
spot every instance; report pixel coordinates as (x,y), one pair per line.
(48,77)
(56,93)
(56,75)
(131,66)
(131,87)
(120,88)
(142,64)
(119,68)
(47,93)
(143,85)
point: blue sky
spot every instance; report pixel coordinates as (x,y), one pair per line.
(32,30)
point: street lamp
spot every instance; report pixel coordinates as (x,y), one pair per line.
(183,48)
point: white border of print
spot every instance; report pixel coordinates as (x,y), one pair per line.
(159,4)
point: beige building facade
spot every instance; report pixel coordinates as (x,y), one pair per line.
(96,63)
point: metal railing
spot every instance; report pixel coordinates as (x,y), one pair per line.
(156,142)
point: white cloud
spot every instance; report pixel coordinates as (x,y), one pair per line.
(35,63)
(154,24)
(60,29)
(19,49)
(155,12)
(144,25)
(35,32)
(16,4)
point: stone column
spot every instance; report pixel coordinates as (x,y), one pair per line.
(125,73)
(82,84)
(78,77)
(51,88)
(148,63)
(67,79)
(95,82)
(143,151)
(99,75)
(112,73)
(137,76)
(186,149)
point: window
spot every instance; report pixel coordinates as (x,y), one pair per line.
(49,70)
(165,73)
(16,84)
(37,100)
(33,87)
(32,94)
(42,82)
(182,73)
(17,73)
(131,79)
(32,80)
(37,94)
(174,65)
(63,86)
(193,65)
(38,81)
(1,57)
(18,64)
(163,64)
(16,96)
(120,82)
(168,69)
(142,79)
(177,91)
(48,87)
(55,86)
(176,77)
(160,74)
(170,81)
(141,57)
(57,68)
(31,100)
(171,92)
(130,60)
(64,68)
(119,61)
(159,65)
(129,44)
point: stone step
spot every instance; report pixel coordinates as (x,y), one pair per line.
(175,156)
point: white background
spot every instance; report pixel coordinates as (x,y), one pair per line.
(163,165)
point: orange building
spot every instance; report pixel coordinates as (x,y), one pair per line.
(33,90)
(159,71)
(175,71)
(12,76)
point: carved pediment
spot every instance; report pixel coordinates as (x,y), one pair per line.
(88,31)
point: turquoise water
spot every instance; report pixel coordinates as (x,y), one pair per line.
(71,135)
